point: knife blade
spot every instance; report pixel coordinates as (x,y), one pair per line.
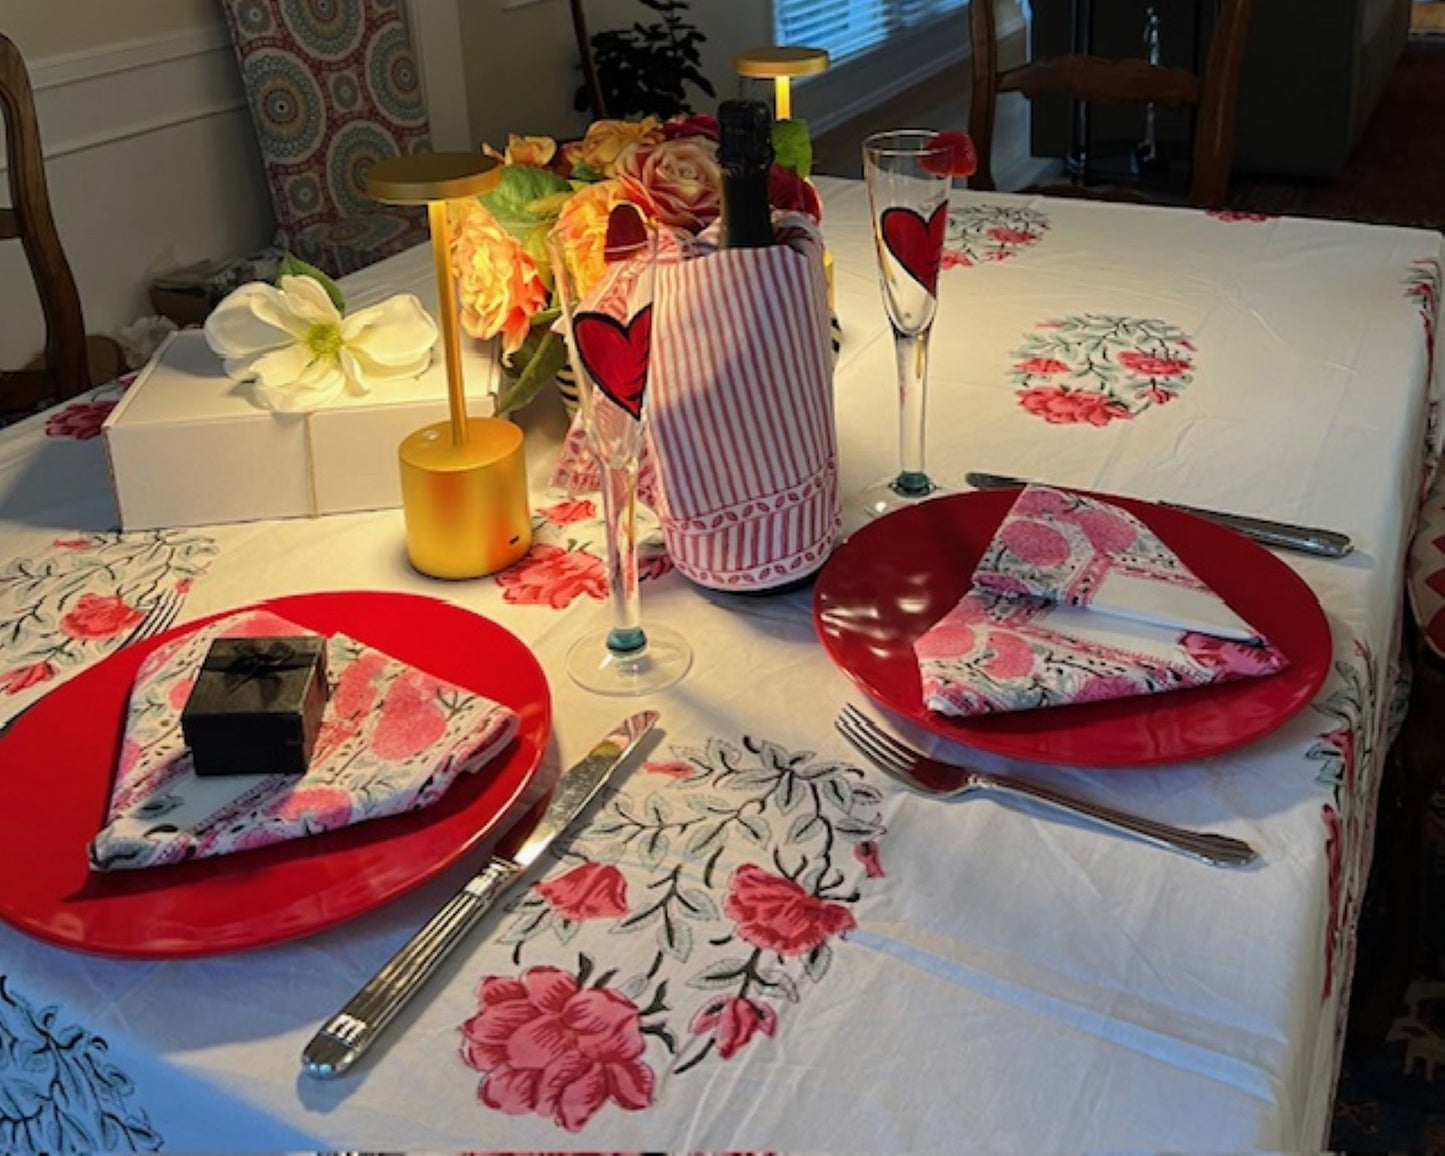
(344,1038)
(1284,535)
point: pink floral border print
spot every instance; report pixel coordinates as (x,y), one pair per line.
(1239,216)
(1098,368)
(699,908)
(568,559)
(1344,752)
(87,594)
(980,233)
(1422,285)
(83,417)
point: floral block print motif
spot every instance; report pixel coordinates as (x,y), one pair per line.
(736,869)
(83,417)
(87,594)
(1423,287)
(59,1091)
(1062,547)
(393,739)
(568,559)
(1343,754)
(979,233)
(1096,368)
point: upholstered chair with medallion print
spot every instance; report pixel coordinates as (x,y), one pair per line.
(333,87)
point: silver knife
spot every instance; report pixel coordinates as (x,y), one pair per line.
(346,1036)
(1284,535)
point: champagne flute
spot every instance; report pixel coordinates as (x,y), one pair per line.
(609,338)
(908,177)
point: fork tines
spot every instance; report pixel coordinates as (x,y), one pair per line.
(882,748)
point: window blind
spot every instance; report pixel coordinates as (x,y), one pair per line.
(850,27)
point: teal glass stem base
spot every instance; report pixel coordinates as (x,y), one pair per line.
(629,663)
(904,489)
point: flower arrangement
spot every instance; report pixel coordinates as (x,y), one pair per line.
(667,170)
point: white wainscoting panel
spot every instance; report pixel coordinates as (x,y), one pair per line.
(152,163)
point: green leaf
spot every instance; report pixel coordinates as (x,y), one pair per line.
(584,174)
(551,356)
(793,146)
(519,187)
(292,266)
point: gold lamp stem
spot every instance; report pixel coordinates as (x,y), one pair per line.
(782,98)
(441,248)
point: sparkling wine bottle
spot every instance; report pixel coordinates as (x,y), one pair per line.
(745,153)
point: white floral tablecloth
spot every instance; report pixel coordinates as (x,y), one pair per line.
(759,943)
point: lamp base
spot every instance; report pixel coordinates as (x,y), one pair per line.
(466,506)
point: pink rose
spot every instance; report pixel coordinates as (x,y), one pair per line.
(1060,406)
(23,677)
(956,259)
(565,513)
(1148,366)
(1104,687)
(733,1022)
(778,915)
(96,617)
(1334,855)
(866,853)
(791,193)
(682,176)
(81,420)
(1226,656)
(1042,366)
(591,891)
(1010,236)
(672,770)
(411,718)
(549,1047)
(702,125)
(552,576)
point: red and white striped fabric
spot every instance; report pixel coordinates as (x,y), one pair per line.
(741,405)
(1426,572)
(742,459)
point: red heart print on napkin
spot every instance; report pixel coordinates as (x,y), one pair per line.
(615,355)
(916,244)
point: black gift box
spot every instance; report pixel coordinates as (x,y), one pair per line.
(256,706)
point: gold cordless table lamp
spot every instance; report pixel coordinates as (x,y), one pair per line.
(781,64)
(463,481)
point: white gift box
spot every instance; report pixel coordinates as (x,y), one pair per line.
(188,447)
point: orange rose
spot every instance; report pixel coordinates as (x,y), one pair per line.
(498,285)
(606,139)
(582,225)
(536,151)
(683,177)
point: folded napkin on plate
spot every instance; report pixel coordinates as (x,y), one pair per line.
(393,739)
(1076,600)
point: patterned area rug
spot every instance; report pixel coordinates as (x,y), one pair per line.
(1393,177)
(1394,1100)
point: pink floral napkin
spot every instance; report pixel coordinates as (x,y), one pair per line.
(1076,600)
(393,739)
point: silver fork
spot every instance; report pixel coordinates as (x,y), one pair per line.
(930,776)
(160,615)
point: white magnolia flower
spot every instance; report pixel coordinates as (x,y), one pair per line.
(297,349)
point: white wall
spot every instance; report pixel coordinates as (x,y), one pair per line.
(522,67)
(151,158)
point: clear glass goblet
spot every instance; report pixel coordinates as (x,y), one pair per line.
(609,338)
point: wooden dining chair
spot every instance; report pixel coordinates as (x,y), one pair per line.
(591,82)
(1095,79)
(64,371)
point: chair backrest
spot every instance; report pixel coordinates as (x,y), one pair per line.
(333,88)
(1091,78)
(590,80)
(64,372)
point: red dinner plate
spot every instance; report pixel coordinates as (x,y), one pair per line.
(897,576)
(58,761)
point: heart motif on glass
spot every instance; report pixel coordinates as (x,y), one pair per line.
(615,355)
(916,244)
